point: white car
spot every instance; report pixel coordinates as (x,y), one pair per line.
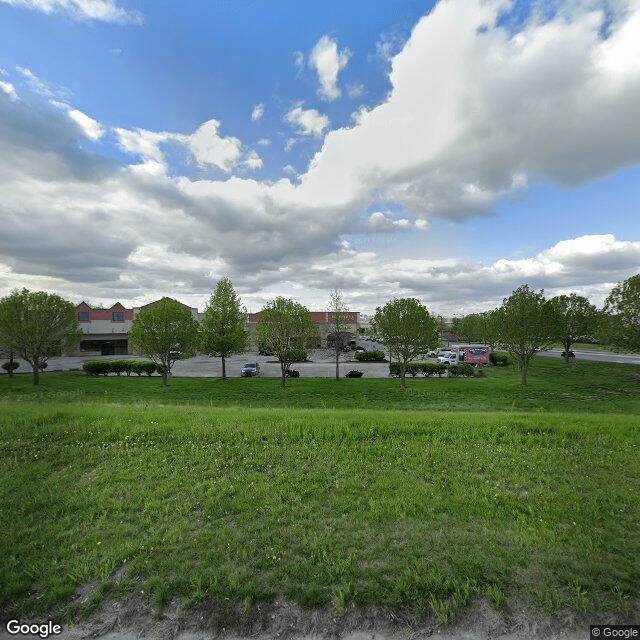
(450,358)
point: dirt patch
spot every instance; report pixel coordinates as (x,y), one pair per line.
(133,617)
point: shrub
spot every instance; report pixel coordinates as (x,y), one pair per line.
(354,373)
(119,366)
(97,367)
(292,373)
(10,366)
(432,369)
(500,358)
(370,356)
(460,370)
(143,366)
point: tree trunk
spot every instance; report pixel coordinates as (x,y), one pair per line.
(337,365)
(224,369)
(11,365)
(165,377)
(523,373)
(403,373)
(283,379)
(36,373)
(567,345)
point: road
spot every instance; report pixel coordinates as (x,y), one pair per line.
(600,356)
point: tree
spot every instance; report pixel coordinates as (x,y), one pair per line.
(469,328)
(165,332)
(575,317)
(407,329)
(285,328)
(525,324)
(339,325)
(623,308)
(38,325)
(223,328)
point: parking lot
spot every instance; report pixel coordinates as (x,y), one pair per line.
(321,364)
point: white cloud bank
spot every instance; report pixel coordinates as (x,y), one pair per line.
(475,114)
(104,10)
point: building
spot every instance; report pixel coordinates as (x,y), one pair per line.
(324,321)
(106,331)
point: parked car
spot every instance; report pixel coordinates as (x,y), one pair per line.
(450,358)
(250,369)
(571,354)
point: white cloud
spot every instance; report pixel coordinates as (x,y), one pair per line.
(209,148)
(105,10)
(140,142)
(257,113)
(473,116)
(9,89)
(253,161)
(298,59)
(264,142)
(307,122)
(328,62)
(91,128)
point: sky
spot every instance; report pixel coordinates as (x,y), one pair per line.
(447,151)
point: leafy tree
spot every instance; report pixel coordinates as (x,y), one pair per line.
(165,332)
(407,329)
(525,324)
(339,325)
(576,317)
(469,328)
(223,328)
(623,308)
(38,325)
(285,328)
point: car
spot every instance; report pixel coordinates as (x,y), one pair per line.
(450,358)
(250,369)
(569,354)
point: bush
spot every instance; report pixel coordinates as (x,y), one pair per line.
(370,356)
(10,366)
(432,369)
(143,366)
(354,373)
(97,367)
(460,370)
(500,358)
(292,373)
(120,366)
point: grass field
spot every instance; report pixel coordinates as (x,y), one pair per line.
(327,493)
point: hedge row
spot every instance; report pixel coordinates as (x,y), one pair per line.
(370,356)
(430,369)
(105,367)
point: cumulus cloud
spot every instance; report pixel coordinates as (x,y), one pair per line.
(328,62)
(253,161)
(209,148)
(104,10)
(476,113)
(91,128)
(307,122)
(257,113)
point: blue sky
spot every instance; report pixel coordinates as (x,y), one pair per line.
(449,151)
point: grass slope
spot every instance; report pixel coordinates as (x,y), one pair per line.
(401,508)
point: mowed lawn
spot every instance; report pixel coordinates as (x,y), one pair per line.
(327,493)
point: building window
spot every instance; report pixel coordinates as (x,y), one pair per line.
(83,316)
(118,316)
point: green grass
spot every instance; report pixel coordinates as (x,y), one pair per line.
(581,386)
(456,488)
